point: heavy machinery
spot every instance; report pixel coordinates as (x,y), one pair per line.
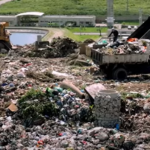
(120,66)
(5,44)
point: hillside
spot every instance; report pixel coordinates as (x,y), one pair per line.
(74,7)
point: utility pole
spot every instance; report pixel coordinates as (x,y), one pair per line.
(140,17)
(110,13)
(127,5)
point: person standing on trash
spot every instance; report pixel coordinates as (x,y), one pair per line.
(115,34)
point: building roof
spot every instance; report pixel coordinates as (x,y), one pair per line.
(31,14)
(5,17)
(68,16)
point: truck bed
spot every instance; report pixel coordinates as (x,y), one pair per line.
(102,59)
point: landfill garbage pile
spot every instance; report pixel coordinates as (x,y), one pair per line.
(118,48)
(123,49)
(88,41)
(55,135)
(135,112)
(22,51)
(65,130)
(41,114)
(36,106)
(61,47)
(78,60)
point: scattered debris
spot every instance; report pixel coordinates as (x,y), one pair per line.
(120,48)
(88,41)
(13,108)
(41,110)
(63,46)
(94,89)
(69,85)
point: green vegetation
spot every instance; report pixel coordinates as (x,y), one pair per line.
(2,55)
(130,23)
(85,37)
(33,107)
(131,95)
(88,29)
(80,38)
(75,7)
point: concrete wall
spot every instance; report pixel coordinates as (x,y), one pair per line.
(100,19)
(29,30)
(10,19)
(43,21)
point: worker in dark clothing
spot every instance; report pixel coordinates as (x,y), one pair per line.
(115,34)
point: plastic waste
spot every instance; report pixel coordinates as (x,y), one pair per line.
(63,134)
(117,126)
(58,89)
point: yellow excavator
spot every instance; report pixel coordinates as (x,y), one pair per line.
(5,44)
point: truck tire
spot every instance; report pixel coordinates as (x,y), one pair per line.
(120,74)
(108,75)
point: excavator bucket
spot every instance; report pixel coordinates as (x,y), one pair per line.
(5,43)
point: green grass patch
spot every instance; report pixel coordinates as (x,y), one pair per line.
(87,29)
(80,38)
(84,37)
(75,7)
(68,33)
(130,23)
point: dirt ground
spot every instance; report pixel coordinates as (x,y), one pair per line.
(56,33)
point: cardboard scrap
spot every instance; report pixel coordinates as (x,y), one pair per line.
(12,107)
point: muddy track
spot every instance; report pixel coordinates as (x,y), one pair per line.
(56,34)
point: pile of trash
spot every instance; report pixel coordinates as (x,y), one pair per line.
(122,47)
(88,41)
(61,47)
(59,119)
(36,106)
(41,110)
(55,135)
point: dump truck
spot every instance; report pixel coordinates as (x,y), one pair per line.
(120,66)
(5,44)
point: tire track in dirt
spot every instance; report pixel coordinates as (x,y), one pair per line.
(56,34)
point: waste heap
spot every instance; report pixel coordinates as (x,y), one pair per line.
(88,41)
(121,47)
(63,46)
(36,106)
(59,47)
(43,121)
(37,112)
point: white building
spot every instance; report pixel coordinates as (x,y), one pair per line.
(10,19)
(38,19)
(63,20)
